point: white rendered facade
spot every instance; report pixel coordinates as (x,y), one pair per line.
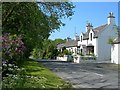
(115,53)
(96,39)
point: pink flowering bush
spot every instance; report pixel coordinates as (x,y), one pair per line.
(12,48)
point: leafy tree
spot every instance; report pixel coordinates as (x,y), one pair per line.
(59,41)
(34,21)
(49,49)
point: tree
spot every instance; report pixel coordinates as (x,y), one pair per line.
(59,41)
(34,21)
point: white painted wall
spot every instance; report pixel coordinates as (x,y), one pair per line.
(93,42)
(104,49)
(84,42)
(115,54)
(62,58)
(111,21)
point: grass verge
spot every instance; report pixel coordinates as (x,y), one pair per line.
(48,78)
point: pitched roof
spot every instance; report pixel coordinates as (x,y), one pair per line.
(72,43)
(59,46)
(85,35)
(96,31)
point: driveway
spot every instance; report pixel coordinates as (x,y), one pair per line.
(86,75)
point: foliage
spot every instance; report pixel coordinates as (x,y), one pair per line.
(32,74)
(61,54)
(81,54)
(66,52)
(16,78)
(110,40)
(34,21)
(13,48)
(48,50)
(92,54)
(59,41)
(35,53)
(118,29)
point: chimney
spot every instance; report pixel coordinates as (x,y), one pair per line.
(88,27)
(111,18)
(77,38)
(68,39)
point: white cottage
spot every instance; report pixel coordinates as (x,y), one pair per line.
(70,45)
(95,40)
(115,51)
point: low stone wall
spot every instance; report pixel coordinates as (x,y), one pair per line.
(62,58)
(65,58)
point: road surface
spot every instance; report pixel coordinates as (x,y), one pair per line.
(86,75)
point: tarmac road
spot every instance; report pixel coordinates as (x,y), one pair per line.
(86,75)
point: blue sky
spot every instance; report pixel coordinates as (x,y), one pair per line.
(93,12)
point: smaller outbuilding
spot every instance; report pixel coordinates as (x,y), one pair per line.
(70,45)
(115,51)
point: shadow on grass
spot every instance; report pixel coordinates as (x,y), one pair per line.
(37,69)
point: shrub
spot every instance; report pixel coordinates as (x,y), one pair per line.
(80,54)
(110,40)
(60,54)
(66,52)
(13,48)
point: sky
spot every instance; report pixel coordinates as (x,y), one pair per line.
(92,12)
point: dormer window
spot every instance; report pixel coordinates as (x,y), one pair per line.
(91,36)
(81,38)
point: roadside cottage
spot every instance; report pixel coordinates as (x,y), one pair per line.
(115,51)
(94,42)
(70,45)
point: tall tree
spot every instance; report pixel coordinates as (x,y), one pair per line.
(34,21)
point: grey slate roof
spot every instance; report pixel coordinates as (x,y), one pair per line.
(72,43)
(96,31)
(59,46)
(86,35)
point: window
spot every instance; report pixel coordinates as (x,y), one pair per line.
(91,36)
(81,38)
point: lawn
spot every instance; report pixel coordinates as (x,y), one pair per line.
(46,77)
